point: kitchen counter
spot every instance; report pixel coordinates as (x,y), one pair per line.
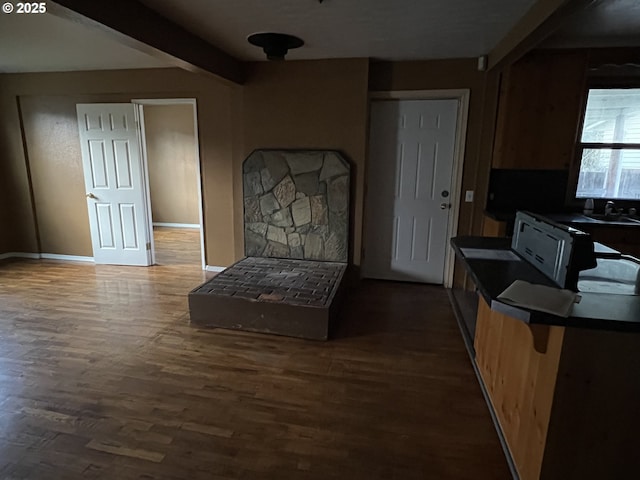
(565,218)
(581,219)
(492,277)
(623,236)
(562,392)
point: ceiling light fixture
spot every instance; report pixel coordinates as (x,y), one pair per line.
(275,45)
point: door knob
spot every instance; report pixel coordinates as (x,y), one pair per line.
(91,195)
(444,206)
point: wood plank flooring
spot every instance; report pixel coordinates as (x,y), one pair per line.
(177,246)
(101,376)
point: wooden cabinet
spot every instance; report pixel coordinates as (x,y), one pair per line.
(568,406)
(493,228)
(539,110)
(624,238)
(520,382)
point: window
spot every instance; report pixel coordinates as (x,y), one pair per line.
(609,147)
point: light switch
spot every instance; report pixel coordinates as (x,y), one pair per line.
(468,196)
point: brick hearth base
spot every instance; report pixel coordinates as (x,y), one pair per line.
(296,298)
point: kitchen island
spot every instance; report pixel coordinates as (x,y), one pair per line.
(564,391)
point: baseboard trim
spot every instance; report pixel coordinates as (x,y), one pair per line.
(34,256)
(45,256)
(177,225)
(68,258)
(212,268)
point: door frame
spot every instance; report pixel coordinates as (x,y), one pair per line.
(462,95)
(139,104)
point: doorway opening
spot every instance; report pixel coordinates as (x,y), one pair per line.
(121,144)
(171,160)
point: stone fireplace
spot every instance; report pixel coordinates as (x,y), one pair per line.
(296,205)
(296,230)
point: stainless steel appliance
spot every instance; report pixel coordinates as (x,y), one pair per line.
(558,251)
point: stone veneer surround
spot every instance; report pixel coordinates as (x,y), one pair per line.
(296,204)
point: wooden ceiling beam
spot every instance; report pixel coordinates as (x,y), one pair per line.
(542,20)
(137,26)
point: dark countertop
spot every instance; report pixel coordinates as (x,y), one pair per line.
(574,219)
(596,310)
(579,218)
(500,216)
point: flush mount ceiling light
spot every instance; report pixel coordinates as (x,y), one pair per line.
(275,45)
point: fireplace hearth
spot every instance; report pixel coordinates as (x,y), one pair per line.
(296,225)
(271,295)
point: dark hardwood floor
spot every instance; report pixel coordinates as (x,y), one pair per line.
(101,376)
(177,246)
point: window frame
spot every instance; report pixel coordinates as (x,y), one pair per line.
(599,84)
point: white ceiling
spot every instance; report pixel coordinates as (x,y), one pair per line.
(45,43)
(383,29)
(380,29)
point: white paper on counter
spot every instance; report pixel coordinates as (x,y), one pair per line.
(489,254)
(555,301)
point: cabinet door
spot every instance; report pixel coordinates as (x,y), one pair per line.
(493,228)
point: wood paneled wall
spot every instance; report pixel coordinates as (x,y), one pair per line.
(493,228)
(593,430)
(566,399)
(521,383)
(539,110)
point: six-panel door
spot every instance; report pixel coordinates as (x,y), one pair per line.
(411,152)
(114,183)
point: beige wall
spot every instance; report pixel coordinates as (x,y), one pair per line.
(307,104)
(324,104)
(171,154)
(55,162)
(17,225)
(48,103)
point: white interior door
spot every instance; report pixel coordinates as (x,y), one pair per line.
(411,153)
(114,181)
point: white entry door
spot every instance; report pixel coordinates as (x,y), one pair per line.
(114,181)
(411,152)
